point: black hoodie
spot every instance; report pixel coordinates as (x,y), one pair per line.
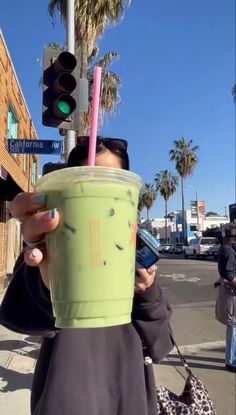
(227,261)
(89,371)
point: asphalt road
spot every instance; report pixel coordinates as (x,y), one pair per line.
(188,280)
(189,285)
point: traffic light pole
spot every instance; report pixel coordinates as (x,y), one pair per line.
(69,138)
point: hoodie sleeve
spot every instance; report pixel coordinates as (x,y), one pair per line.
(26,306)
(151,318)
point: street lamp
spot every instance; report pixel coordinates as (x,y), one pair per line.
(198,220)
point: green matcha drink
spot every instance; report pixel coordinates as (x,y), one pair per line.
(91,255)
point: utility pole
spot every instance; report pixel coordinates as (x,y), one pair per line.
(69,138)
(198,220)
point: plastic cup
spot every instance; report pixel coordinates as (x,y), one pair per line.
(91,254)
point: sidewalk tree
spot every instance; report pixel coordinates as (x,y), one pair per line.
(166,184)
(147,197)
(110,97)
(185,158)
(91,20)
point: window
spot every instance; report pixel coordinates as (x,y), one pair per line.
(209,241)
(33,172)
(24,163)
(12,125)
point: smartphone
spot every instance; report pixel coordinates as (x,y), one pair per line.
(146,248)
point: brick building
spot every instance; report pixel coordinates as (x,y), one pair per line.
(18,172)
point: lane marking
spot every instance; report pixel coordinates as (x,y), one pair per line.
(181,277)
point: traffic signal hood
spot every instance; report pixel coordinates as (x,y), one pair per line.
(60,90)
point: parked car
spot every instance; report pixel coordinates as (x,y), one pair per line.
(176,249)
(202,247)
(163,249)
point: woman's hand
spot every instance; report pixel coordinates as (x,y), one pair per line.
(145,279)
(25,207)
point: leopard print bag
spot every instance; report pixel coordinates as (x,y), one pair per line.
(194,399)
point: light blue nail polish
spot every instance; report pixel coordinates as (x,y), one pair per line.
(53,213)
(40,199)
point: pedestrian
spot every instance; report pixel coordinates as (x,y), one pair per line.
(226,296)
(97,371)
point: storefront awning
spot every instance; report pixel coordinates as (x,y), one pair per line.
(8,187)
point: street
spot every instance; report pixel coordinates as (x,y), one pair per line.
(189,286)
(190,289)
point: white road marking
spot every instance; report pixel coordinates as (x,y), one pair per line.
(181,277)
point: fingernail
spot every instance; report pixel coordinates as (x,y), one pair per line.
(47,215)
(53,213)
(39,199)
(33,254)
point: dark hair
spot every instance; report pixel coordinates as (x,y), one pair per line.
(229,232)
(79,155)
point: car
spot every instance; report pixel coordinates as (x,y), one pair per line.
(202,247)
(176,249)
(163,249)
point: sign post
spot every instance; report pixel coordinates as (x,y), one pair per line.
(27,146)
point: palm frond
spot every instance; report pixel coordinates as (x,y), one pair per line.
(55,6)
(184,156)
(166,183)
(107,59)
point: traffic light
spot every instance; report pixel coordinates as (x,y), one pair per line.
(60,90)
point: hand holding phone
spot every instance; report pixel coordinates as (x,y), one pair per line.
(146,249)
(144,278)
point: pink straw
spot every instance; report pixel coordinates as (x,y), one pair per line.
(95,111)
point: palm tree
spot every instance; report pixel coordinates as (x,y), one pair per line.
(147,197)
(110,97)
(91,19)
(184,155)
(166,185)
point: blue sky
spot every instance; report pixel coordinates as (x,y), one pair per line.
(177,64)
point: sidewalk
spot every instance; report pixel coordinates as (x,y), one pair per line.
(206,362)
(17,360)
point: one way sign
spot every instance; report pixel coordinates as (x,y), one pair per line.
(25,146)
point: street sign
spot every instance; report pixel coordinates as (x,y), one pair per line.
(193,204)
(26,146)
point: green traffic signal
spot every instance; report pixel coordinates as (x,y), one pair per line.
(64,107)
(60,89)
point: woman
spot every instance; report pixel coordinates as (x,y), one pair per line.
(85,371)
(226,296)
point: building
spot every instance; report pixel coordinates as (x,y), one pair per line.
(157,227)
(174,226)
(18,172)
(193,228)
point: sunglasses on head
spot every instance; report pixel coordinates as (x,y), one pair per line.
(113,144)
(79,154)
